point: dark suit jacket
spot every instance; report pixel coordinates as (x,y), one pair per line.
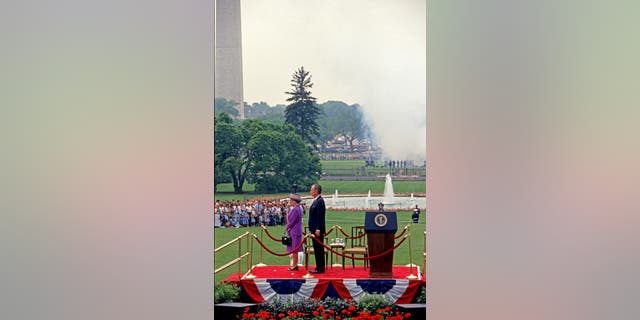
(316,216)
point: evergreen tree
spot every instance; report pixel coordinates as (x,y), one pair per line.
(303,112)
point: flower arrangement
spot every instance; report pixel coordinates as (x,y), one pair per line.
(330,308)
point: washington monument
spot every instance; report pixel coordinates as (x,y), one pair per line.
(228,42)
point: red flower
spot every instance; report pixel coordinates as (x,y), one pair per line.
(387,309)
(280,315)
(407,315)
(352,308)
(331,311)
(338,317)
(344,311)
(320,307)
(315,313)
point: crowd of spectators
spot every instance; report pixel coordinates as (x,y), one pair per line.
(250,213)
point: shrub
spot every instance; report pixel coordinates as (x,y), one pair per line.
(226,292)
(373,302)
(421,297)
(281,305)
(336,304)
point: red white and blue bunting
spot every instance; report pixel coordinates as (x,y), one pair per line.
(260,290)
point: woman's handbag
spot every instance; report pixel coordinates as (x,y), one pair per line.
(286,240)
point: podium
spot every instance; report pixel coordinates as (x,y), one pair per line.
(380,227)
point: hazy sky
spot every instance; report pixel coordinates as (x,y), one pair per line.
(371,52)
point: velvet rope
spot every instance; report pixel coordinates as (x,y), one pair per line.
(269,235)
(280,254)
(401,233)
(350,237)
(328,232)
(365,258)
(280,240)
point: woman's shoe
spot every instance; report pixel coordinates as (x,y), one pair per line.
(293,268)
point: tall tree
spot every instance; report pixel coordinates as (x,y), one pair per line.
(226,106)
(351,125)
(229,160)
(302,113)
(341,119)
(272,156)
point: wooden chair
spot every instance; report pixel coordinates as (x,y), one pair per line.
(308,250)
(358,246)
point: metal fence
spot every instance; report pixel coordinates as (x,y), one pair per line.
(375,171)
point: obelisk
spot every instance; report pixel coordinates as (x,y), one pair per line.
(228,42)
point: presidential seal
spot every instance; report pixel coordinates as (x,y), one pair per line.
(380,220)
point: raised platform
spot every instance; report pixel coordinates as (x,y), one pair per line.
(273,282)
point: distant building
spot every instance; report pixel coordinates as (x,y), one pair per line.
(228,64)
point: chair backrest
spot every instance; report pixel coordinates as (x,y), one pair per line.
(359,242)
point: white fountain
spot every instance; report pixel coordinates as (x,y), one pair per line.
(389,199)
(388,191)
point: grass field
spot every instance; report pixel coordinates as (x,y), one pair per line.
(345,187)
(341,164)
(346,219)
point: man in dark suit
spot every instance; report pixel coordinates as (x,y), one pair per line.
(317,225)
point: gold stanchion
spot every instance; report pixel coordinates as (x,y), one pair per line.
(306,254)
(411,276)
(424,268)
(239,254)
(261,264)
(250,275)
(410,265)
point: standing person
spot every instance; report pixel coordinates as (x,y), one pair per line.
(317,225)
(416,214)
(294,228)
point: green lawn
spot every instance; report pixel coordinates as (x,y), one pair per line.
(346,219)
(341,164)
(346,187)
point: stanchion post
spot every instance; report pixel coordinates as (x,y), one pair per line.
(250,275)
(239,262)
(308,275)
(424,263)
(261,264)
(410,265)
(249,247)
(411,276)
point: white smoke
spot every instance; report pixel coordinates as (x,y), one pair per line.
(399,127)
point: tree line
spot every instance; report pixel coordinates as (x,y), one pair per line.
(318,124)
(336,119)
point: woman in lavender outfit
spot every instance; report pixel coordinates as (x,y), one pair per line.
(294,227)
